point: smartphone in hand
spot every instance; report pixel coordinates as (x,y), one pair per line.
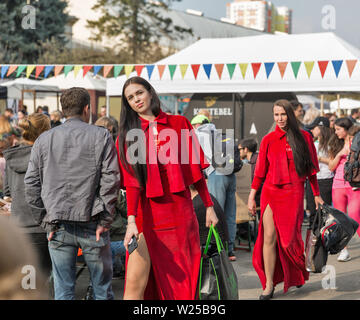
(132,244)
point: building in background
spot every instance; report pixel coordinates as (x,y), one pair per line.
(260,15)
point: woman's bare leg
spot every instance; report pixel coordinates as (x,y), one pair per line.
(137,272)
(269,248)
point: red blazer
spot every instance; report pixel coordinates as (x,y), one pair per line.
(272,159)
(182,170)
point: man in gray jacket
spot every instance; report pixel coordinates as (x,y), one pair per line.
(73,174)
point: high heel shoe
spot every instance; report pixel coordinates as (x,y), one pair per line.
(267,296)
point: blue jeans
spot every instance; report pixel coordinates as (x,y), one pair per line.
(223,188)
(63,248)
(118,253)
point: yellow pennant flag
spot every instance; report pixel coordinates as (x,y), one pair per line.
(76,70)
(243,68)
(183,68)
(309,65)
(128,69)
(29,70)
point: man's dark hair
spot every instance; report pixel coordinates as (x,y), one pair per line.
(9,110)
(353,111)
(73,101)
(249,143)
(295,104)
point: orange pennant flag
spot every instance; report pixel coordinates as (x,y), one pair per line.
(58,69)
(161,69)
(11,70)
(219,69)
(282,67)
(351,66)
(107,69)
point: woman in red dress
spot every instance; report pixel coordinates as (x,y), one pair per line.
(286,157)
(157,168)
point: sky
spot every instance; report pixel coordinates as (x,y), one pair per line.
(339,16)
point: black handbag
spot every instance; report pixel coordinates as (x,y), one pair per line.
(217,280)
(315,253)
(337,229)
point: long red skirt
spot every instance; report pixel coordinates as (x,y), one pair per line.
(171,231)
(287,204)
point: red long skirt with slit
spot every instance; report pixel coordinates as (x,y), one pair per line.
(171,232)
(287,204)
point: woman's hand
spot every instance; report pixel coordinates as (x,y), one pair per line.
(211,218)
(252,206)
(318,201)
(131,231)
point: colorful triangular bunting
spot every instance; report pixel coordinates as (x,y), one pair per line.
(207,68)
(86,69)
(58,69)
(256,68)
(128,69)
(11,70)
(295,65)
(67,69)
(183,69)
(139,69)
(231,69)
(322,66)
(38,70)
(161,69)
(97,69)
(117,70)
(77,68)
(282,67)
(268,67)
(172,68)
(195,68)
(4,70)
(107,69)
(150,69)
(219,69)
(309,65)
(243,69)
(337,66)
(351,66)
(47,71)
(29,70)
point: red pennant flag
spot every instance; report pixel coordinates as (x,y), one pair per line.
(322,66)
(11,70)
(58,70)
(351,66)
(219,69)
(139,70)
(161,69)
(282,67)
(38,70)
(107,69)
(86,69)
(195,68)
(256,68)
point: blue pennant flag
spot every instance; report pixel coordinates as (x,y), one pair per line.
(268,67)
(97,69)
(4,70)
(207,68)
(337,66)
(150,69)
(47,70)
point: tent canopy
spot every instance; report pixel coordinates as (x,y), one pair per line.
(89,82)
(318,62)
(345,103)
(309,100)
(16,86)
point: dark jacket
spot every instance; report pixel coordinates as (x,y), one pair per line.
(17,160)
(73,173)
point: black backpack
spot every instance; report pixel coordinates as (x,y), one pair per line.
(352,165)
(225,154)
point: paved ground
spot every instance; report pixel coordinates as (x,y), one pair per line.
(346,286)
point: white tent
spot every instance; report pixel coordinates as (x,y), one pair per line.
(345,103)
(312,101)
(319,62)
(16,87)
(89,82)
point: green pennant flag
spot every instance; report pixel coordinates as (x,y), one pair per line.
(172,68)
(243,68)
(295,67)
(231,68)
(309,65)
(67,69)
(117,70)
(20,70)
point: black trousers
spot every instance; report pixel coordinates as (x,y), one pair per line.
(325,186)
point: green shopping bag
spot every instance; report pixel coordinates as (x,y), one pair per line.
(217,280)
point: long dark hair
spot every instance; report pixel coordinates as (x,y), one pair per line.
(324,138)
(296,140)
(129,120)
(335,143)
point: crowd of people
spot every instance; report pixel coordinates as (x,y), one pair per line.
(78,189)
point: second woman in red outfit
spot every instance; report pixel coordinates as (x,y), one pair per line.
(286,157)
(160,212)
